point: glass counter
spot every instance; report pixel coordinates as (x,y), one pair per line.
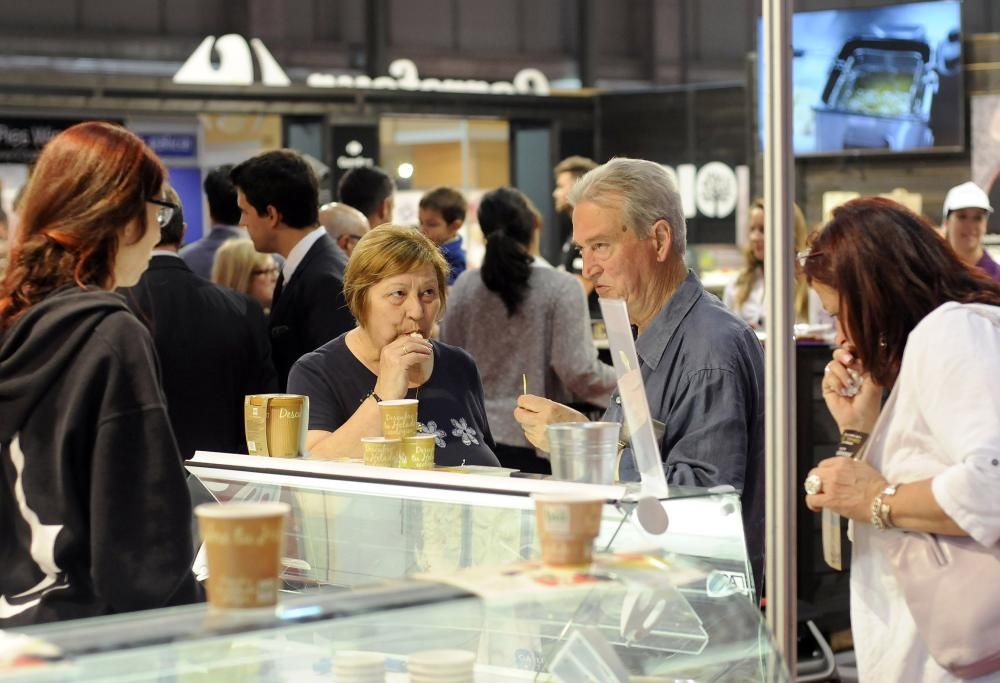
(353,525)
(623,618)
(401,561)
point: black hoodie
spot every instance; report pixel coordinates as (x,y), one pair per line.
(95,514)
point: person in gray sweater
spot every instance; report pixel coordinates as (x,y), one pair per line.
(518,318)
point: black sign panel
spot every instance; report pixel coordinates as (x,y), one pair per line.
(700,132)
(354,146)
(22,139)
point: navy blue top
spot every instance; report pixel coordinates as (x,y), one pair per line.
(200,255)
(451,401)
(454,254)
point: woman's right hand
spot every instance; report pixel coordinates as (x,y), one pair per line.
(852,396)
(395,362)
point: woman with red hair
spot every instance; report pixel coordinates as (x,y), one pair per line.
(95,514)
(912,318)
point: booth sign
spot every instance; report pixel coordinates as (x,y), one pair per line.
(236,68)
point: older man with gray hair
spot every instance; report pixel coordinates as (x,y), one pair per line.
(702,366)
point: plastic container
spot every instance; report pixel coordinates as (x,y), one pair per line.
(584,451)
(441,666)
(359,667)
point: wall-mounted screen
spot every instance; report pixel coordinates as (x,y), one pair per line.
(875,80)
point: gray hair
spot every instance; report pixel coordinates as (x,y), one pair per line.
(642,190)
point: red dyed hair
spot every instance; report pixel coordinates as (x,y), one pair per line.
(88,184)
(890,268)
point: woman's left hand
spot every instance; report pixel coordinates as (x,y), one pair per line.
(849,487)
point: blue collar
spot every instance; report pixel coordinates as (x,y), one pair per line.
(652,343)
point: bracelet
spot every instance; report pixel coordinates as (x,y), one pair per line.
(378,399)
(881,512)
(851,442)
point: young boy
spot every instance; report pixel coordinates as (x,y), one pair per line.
(442,212)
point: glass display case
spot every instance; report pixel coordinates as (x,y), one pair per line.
(398,562)
(353,525)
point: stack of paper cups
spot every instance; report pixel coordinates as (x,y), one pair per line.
(359,667)
(441,666)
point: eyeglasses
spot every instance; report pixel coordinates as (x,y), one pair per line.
(272,271)
(804,256)
(164,211)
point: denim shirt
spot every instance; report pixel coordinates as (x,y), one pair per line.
(703,369)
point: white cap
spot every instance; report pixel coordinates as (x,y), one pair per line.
(966,196)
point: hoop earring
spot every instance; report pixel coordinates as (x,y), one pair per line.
(881,341)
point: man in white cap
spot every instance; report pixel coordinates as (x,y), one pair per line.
(966,211)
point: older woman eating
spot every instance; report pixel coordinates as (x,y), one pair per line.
(395,286)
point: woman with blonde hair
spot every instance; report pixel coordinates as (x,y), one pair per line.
(238,265)
(396,286)
(744,296)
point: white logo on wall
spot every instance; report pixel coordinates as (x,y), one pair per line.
(235,63)
(354,158)
(715,190)
(236,68)
(403,75)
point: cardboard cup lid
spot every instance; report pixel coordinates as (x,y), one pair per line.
(279,400)
(242,510)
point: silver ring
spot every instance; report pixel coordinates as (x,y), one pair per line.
(813,485)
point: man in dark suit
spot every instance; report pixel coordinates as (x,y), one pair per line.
(278,196)
(225,217)
(212,344)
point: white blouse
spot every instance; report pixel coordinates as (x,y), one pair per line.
(942,422)
(752,310)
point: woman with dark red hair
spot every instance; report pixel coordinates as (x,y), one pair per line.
(914,319)
(95,515)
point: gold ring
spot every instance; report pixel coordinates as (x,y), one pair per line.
(813,485)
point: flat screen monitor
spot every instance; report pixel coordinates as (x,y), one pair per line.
(878,80)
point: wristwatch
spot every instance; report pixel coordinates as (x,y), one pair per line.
(851,442)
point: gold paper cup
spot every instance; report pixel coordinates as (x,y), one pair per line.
(399,418)
(243,544)
(418,452)
(381,452)
(276,424)
(567,524)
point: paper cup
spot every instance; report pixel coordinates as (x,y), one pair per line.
(381,452)
(399,418)
(243,544)
(418,452)
(567,523)
(276,424)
